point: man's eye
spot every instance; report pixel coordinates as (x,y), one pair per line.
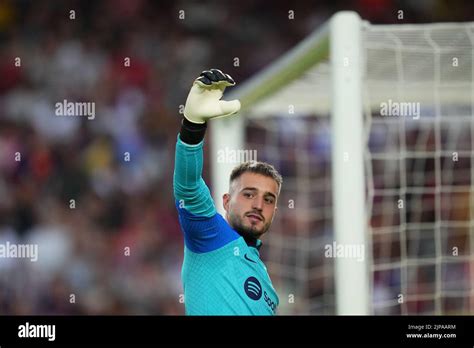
(269,200)
(247,194)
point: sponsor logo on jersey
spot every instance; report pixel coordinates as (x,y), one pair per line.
(253,288)
(269,302)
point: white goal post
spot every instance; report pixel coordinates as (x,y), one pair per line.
(390,200)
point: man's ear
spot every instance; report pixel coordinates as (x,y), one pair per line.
(225,201)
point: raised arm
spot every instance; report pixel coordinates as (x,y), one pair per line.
(192,196)
(203,103)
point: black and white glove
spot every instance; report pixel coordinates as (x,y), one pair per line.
(203,102)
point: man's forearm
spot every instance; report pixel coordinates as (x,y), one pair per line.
(190,190)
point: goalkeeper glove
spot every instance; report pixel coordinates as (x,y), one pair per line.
(203,102)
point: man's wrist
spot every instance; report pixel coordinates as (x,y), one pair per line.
(192,133)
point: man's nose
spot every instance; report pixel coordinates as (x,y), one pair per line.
(257,203)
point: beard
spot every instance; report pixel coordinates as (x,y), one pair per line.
(248,232)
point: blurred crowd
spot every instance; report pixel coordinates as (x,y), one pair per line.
(96,194)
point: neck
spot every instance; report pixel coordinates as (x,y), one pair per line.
(250,240)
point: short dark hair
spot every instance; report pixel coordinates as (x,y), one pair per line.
(256,167)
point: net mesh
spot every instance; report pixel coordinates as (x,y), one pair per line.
(419,165)
(419,135)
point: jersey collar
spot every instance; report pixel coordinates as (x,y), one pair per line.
(255,243)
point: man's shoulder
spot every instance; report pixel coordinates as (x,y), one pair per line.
(232,247)
(205,234)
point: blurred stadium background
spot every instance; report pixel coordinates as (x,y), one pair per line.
(123,204)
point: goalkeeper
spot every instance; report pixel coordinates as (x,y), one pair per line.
(222,272)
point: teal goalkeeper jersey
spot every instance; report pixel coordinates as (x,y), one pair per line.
(221,274)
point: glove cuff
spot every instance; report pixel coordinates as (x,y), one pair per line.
(192,133)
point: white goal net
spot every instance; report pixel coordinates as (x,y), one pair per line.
(417,99)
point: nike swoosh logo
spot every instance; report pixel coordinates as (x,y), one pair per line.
(247,258)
